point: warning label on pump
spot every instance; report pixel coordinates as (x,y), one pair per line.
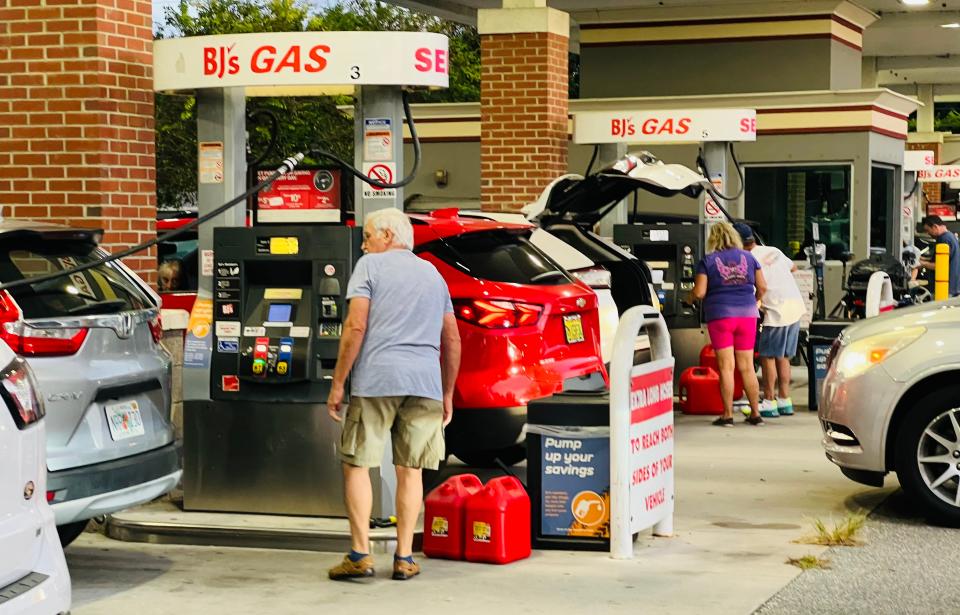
(712,211)
(377,138)
(210,161)
(383,172)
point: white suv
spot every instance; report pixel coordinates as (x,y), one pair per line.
(33,572)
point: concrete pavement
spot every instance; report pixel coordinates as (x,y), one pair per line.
(743,495)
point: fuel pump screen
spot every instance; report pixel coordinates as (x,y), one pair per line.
(279,312)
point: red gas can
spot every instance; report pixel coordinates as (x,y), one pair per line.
(498,522)
(708,358)
(700,391)
(444,514)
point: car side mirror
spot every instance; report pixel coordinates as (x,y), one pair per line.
(846,257)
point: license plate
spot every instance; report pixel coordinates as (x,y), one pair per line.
(124,420)
(573,328)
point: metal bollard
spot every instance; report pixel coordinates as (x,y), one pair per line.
(941,289)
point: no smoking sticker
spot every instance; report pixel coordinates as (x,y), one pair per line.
(383,172)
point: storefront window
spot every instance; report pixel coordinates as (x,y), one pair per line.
(786,200)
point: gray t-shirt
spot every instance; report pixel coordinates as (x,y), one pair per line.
(401,349)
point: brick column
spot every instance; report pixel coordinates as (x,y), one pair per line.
(932,190)
(76,118)
(524,129)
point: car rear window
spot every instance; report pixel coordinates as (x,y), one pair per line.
(100,290)
(177,263)
(499,256)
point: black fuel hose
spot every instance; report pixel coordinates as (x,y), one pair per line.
(274,134)
(323,153)
(285,167)
(711,188)
(593,159)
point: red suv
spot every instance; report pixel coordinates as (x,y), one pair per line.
(529,329)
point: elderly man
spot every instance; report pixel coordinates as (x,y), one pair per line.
(401,342)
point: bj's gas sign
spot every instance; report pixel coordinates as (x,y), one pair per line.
(665,126)
(302,59)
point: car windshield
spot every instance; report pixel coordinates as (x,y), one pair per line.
(100,290)
(499,256)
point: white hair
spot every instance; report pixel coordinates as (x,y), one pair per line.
(396,222)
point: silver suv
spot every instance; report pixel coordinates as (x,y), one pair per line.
(93,341)
(891,401)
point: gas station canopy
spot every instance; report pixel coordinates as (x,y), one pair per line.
(301,63)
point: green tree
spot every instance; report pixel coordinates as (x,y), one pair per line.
(305,121)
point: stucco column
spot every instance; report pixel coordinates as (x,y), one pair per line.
(925,116)
(523,101)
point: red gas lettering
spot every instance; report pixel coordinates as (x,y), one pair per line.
(649,126)
(290,60)
(319,61)
(683,125)
(209,60)
(266,65)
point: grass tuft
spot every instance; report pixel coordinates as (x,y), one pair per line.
(842,534)
(809,562)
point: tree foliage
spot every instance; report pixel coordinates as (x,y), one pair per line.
(305,121)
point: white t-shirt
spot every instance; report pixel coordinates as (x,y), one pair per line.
(783,301)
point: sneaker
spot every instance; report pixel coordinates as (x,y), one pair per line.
(403,570)
(785,406)
(722,422)
(349,569)
(769,409)
(755,420)
(743,405)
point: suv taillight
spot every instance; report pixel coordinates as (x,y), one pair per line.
(32,342)
(20,393)
(156,329)
(497,314)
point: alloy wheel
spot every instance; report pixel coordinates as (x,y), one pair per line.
(938,456)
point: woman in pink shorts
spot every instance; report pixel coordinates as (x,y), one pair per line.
(730,283)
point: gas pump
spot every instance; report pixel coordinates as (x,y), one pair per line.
(671,251)
(266,326)
(672,248)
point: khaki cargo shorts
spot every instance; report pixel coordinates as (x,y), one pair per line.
(415,425)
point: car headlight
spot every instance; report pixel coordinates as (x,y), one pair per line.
(859,356)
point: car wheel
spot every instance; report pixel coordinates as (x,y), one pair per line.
(508,456)
(928,456)
(70,531)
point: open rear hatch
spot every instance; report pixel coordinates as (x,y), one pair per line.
(571,205)
(587,200)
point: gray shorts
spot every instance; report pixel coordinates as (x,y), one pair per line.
(777,342)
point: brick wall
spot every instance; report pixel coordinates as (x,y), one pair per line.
(523,117)
(932,190)
(76,118)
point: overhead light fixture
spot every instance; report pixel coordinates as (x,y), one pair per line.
(951,25)
(915,2)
